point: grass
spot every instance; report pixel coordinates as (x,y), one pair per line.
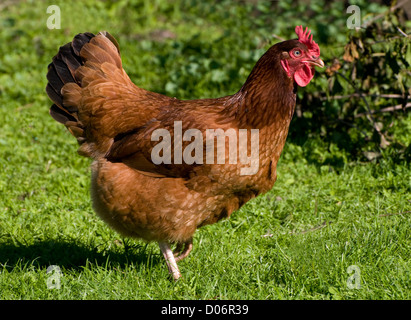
(296,242)
(276,247)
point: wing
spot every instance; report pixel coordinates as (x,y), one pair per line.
(174,144)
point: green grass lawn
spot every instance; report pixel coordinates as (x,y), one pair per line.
(295,242)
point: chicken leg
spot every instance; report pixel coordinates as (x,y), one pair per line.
(170,260)
(180,253)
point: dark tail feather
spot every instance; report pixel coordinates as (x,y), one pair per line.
(61,71)
(80,40)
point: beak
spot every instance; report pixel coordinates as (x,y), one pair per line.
(317,62)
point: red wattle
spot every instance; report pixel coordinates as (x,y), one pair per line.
(304,75)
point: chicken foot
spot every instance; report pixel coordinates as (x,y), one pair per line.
(180,253)
(170,260)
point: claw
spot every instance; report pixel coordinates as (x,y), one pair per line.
(179,253)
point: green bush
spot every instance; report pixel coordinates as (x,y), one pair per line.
(361,101)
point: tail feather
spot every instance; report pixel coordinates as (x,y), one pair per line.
(61,71)
(64,87)
(79,41)
(60,115)
(93,95)
(58,75)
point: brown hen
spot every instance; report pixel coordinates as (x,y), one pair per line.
(157,173)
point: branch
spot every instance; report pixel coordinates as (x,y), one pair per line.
(278,37)
(402,32)
(386,96)
(384,141)
(382,15)
(387,109)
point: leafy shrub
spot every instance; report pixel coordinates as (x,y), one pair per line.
(368,89)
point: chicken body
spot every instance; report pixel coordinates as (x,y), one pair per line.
(114,121)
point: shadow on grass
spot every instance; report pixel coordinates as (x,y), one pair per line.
(73,256)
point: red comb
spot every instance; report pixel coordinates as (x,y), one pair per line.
(304,37)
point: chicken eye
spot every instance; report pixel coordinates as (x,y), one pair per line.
(297,53)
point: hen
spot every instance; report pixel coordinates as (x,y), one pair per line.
(157,174)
